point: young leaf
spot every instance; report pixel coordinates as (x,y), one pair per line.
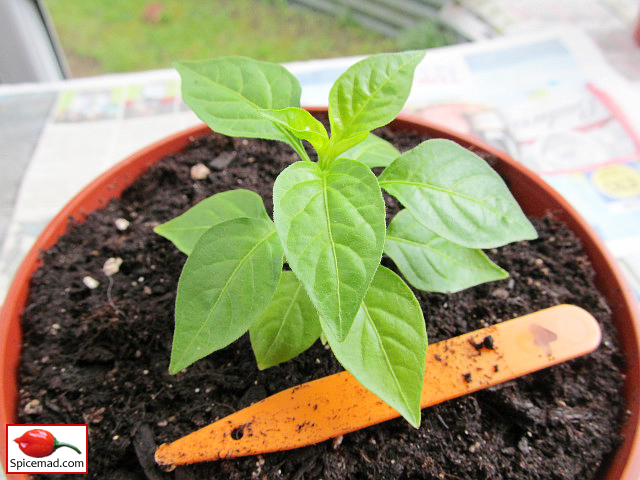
(371,93)
(229,93)
(386,347)
(287,326)
(456,194)
(227,280)
(185,230)
(332,226)
(302,124)
(433,263)
(373,151)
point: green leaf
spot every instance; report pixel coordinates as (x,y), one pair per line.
(332,226)
(456,194)
(386,347)
(227,280)
(229,93)
(373,151)
(433,263)
(287,326)
(302,124)
(371,93)
(185,230)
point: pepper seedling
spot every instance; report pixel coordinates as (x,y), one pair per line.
(329,226)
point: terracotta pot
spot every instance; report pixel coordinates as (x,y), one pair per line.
(534,195)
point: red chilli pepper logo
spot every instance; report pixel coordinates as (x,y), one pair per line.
(39,443)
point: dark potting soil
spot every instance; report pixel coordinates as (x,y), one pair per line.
(100,356)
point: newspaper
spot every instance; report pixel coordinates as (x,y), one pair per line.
(506,17)
(550,100)
(607,22)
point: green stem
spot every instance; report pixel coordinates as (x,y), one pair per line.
(295,143)
(326,157)
(302,152)
(57,444)
(323,162)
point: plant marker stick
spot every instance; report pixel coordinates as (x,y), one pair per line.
(338,404)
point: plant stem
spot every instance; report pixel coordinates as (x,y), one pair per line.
(296,144)
(57,444)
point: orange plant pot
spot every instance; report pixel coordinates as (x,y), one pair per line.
(535,197)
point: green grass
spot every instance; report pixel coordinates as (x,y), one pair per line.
(112,35)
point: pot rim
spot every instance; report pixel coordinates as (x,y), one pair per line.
(626,462)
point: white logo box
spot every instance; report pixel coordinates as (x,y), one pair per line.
(62,460)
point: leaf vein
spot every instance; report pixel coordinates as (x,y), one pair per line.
(443,190)
(386,357)
(333,250)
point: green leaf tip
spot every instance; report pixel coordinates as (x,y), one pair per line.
(386,347)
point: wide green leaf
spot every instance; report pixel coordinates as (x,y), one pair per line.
(456,194)
(371,93)
(373,151)
(433,263)
(287,326)
(185,230)
(386,347)
(332,226)
(302,124)
(229,93)
(227,280)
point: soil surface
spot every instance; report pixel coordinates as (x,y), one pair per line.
(100,355)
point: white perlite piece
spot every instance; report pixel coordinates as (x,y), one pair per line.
(90,282)
(111,266)
(199,171)
(122,224)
